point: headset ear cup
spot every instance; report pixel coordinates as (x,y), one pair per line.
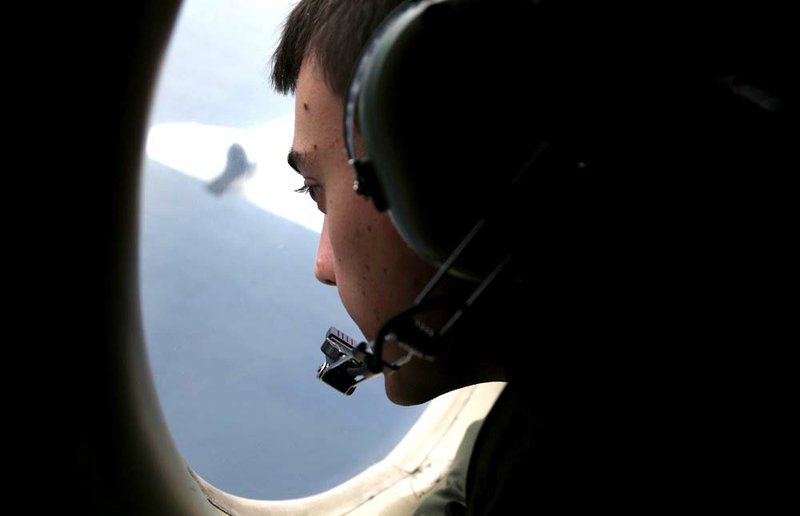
(442,148)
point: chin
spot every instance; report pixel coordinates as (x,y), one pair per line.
(401,395)
(418,382)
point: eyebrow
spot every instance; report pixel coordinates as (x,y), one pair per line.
(296,160)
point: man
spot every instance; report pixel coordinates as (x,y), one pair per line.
(360,251)
(588,331)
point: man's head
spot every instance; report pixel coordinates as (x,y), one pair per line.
(608,210)
(360,251)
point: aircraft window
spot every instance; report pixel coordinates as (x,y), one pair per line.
(233,316)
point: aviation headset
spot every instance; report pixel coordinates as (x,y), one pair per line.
(477,121)
(451,168)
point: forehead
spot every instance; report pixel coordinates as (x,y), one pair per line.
(318,112)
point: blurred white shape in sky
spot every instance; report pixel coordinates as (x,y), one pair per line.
(201,151)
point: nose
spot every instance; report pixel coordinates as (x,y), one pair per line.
(323,266)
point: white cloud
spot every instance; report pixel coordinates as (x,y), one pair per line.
(200,151)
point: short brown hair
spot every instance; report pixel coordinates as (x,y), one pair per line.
(334,32)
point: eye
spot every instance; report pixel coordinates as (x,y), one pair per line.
(311,190)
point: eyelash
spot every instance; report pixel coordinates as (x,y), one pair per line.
(307,189)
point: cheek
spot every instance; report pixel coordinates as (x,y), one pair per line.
(376,272)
